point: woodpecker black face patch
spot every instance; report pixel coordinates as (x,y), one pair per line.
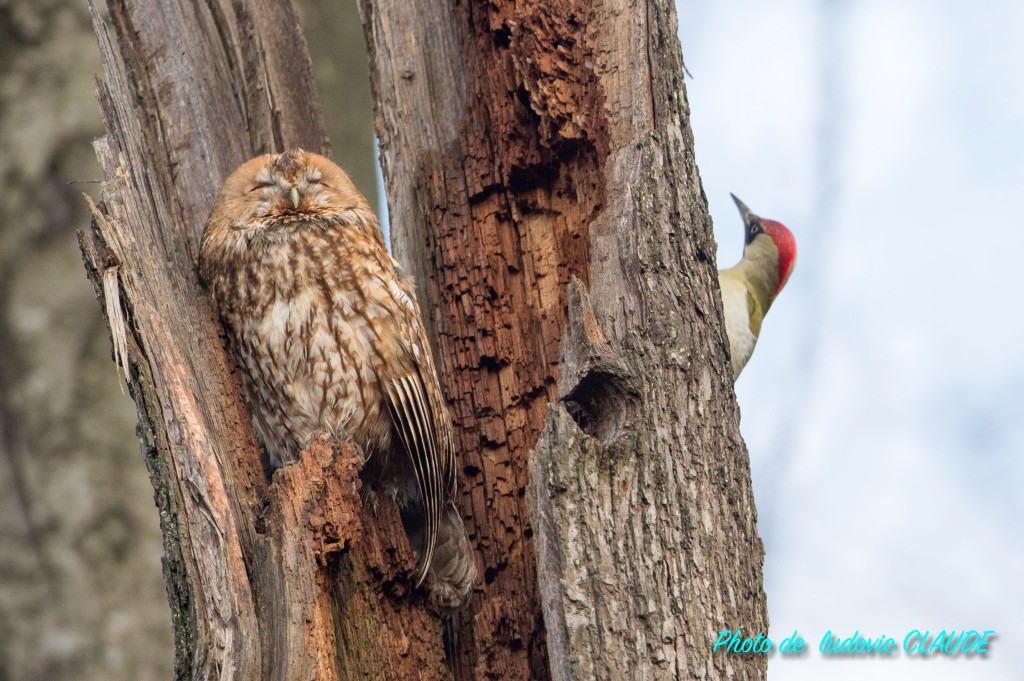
(754,227)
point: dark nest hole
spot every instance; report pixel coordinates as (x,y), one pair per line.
(601,406)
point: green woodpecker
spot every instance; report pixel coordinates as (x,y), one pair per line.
(748,289)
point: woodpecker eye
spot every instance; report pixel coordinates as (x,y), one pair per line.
(753,229)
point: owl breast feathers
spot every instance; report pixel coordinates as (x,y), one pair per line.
(328,335)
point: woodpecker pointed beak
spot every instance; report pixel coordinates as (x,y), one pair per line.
(751,223)
(294,196)
(746,213)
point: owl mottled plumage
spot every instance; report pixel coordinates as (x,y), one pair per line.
(327,332)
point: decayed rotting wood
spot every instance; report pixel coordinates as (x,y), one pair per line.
(312,518)
(339,582)
(524,143)
(491,188)
(269,578)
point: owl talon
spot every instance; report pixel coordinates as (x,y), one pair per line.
(370,500)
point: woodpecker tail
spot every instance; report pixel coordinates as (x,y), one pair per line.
(453,566)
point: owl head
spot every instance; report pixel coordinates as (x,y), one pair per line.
(270,197)
(282,188)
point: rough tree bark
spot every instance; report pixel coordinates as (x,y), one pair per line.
(287,578)
(526,144)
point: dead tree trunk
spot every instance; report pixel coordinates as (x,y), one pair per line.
(526,144)
(279,579)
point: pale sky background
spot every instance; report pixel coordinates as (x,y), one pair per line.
(884,405)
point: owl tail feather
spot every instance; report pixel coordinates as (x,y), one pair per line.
(453,565)
(451,642)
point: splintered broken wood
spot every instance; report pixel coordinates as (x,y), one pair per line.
(342,577)
(275,580)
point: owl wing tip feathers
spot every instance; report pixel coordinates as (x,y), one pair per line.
(416,425)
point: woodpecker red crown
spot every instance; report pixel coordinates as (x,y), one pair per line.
(786,245)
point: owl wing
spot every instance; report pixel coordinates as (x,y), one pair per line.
(417,413)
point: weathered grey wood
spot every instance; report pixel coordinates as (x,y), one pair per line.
(525,143)
(268,579)
(647,508)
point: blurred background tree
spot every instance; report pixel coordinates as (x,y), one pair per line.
(81,590)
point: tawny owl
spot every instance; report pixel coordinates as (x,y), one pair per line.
(328,334)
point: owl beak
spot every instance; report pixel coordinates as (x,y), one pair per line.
(294,196)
